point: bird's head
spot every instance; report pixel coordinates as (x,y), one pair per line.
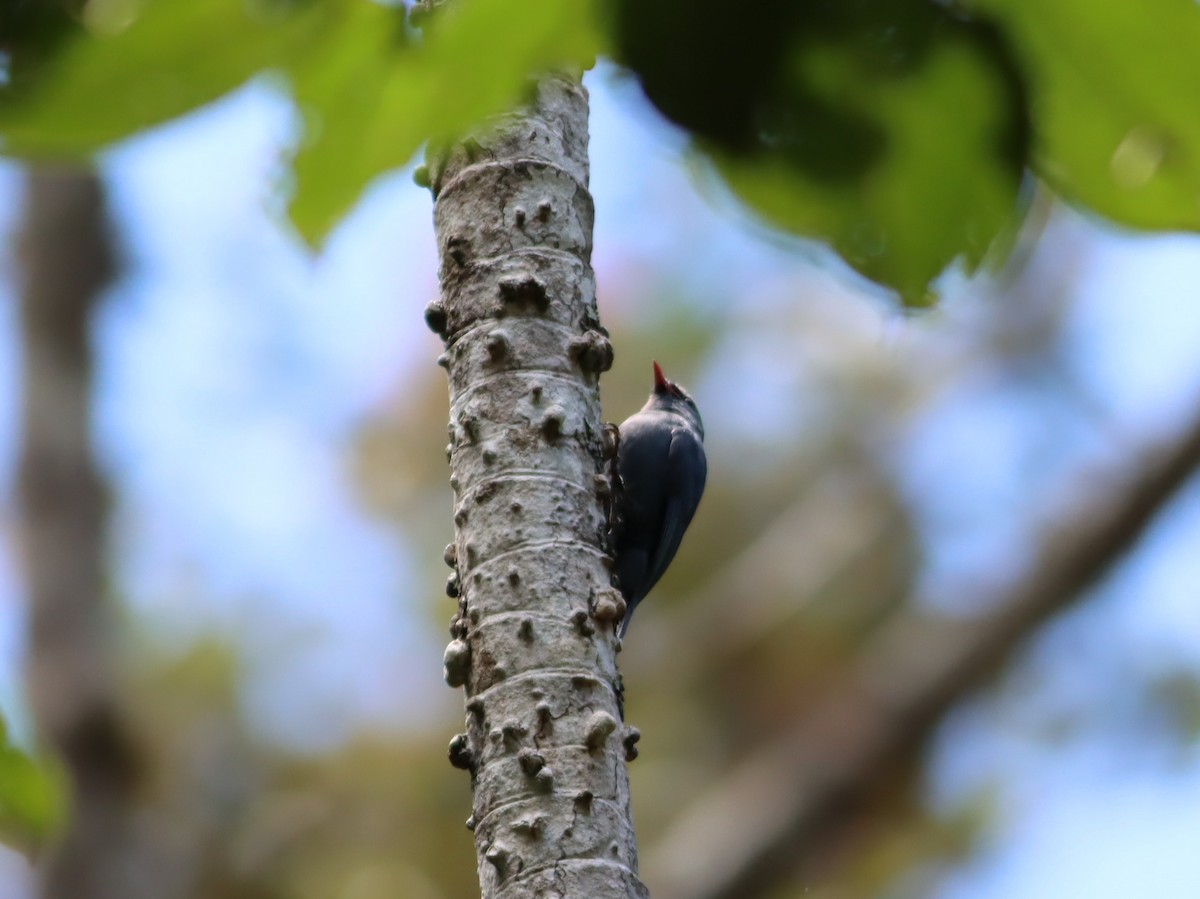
(671,397)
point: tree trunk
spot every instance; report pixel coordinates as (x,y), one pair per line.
(67,261)
(534,639)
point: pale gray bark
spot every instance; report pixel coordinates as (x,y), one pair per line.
(533,642)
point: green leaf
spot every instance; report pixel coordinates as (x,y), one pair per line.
(370,95)
(902,169)
(177,55)
(369,103)
(1114,100)
(32,800)
(895,130)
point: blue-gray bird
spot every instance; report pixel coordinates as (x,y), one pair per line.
(662,467)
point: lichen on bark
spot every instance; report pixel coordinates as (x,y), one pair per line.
(533,641)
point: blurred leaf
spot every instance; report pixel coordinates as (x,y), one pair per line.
(705,63)
(1114,98)
(892,129)
(177,55)
(32,799)
(370,93)
(942,185)
(29,35)
(369,108)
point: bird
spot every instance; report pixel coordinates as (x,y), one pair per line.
(662,470)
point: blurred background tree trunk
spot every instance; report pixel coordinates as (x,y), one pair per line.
(67,257)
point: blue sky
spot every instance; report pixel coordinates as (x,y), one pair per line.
(235,371)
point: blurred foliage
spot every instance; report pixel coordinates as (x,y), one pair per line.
(896,848)
(111,77)
(895,130)
(381,816)
(370,100)
(1112,103)
(32,797)
(30,33)
(369,90)
(899,131)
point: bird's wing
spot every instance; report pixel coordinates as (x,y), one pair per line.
(687,470)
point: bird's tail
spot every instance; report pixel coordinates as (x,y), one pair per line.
(629,607)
